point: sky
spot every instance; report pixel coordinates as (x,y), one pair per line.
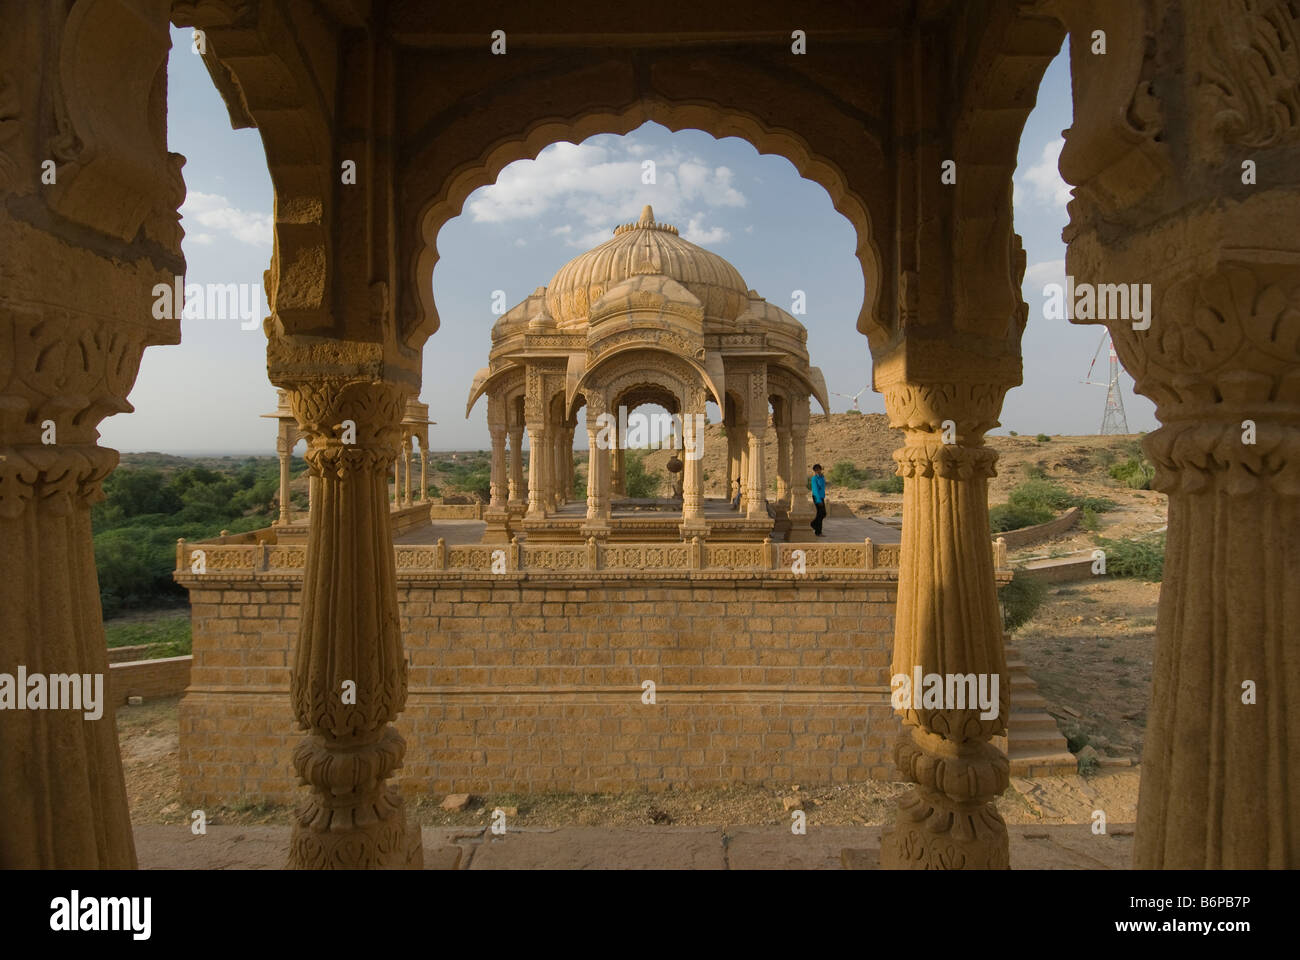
(780,231)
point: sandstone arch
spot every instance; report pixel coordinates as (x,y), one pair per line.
(1192,89)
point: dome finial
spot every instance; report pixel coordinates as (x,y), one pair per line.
(647,216)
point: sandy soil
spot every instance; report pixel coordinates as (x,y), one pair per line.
(150,752)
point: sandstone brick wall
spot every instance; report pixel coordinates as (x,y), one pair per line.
(164,677)
(538,686)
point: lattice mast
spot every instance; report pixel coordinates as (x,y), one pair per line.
(1113,420)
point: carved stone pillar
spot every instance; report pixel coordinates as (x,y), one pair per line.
(397,482)
(570,466)
(756,506)
(1183,153)
(498,481)
(283,451)
(349,672)
(801,506)
(62,794)
(756,499)
(1223,736)
(733,462)
(693,523)
(424,467)
(406,464)
(516,433)
(559,471)
(537,442)
(947,623)
(598,470)
(88,227)
(783,465)
(742,472)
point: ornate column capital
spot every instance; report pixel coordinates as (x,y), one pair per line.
(349,424)
(944,425)
(1222,363)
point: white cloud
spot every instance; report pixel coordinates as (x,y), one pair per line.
(1038,276)
(1043,181)
(201,239)
(696,233)
(214,212)
(713,186)
(520,242)
(594,186)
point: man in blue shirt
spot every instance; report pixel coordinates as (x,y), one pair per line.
(818,484)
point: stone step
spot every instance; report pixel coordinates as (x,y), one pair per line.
(1034,743)
(1039,746)
(1028,701)
(1033,762)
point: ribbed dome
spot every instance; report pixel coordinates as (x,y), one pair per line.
(646,247)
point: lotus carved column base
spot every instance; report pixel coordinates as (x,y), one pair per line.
(948,821)
(353,819)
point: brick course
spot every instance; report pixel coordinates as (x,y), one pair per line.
(516,686)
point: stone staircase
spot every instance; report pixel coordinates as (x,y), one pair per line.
(1034,744)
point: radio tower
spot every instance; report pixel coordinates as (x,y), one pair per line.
(1113,420)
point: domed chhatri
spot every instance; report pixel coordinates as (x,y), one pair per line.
(645,318)
(646,246)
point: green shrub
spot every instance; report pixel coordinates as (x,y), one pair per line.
(1041,492)
(146,510)
(474,478)
(1006,517)
(890,484)
(1013,433)
(1020,599)
(1042,438)
(845,474)
(1095,504)
(1142,558)
(1038,500)
(1089,520)
(1134,473)
(639,483)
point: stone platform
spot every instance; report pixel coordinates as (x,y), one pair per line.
(1056,847)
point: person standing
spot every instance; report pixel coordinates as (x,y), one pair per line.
(818,484)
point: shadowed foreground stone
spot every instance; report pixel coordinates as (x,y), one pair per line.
(1069,847)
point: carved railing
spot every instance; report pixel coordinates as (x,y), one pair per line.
(778,560)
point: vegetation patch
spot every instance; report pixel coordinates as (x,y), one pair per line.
(1135,473)
(1020,600)
(168,635)
(1038,500)
(639,482)
(845,474)
(1142,558)
(145,511)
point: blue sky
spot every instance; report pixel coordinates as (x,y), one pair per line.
(779,230)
